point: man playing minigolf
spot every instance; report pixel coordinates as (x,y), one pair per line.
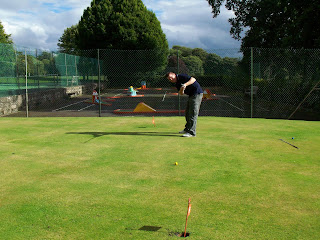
(188,85)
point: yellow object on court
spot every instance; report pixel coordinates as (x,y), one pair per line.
(142,107)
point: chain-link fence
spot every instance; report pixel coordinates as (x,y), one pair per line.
(266,83)
(287,83)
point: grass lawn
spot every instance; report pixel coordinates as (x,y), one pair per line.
(105,178)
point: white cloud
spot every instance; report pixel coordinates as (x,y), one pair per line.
(190,23)
(39,24)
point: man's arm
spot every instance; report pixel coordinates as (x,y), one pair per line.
(183,87)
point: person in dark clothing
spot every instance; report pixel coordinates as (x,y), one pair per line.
(188,85)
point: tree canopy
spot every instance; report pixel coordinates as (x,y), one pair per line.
(7,54)
(4,38)
(117,24)
(67,42)
(197,62)
(273,23)
(118,28)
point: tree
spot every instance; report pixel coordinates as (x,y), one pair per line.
(7,60)
(212,64)
(49,62)
(175,66)
(229,65)
(21,64)
(119,28)
(194,64)
(273,23)
(4,38)
(199,52)
(7,54)
(117,24)
(183,51)
(192,59)
(67,42)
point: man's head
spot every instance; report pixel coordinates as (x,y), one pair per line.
(172,77)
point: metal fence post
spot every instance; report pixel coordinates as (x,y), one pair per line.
(99,82)
(178,73)
(75,64)
(17,67)
(251,82)
(37,70)
(65,62)
(27,98)
(178,62)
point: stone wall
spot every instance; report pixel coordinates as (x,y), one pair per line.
(12,104)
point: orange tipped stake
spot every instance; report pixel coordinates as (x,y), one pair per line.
(188,213)
(154,124)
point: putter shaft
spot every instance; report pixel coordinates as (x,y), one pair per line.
(289,143)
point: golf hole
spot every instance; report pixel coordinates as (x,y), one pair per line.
(182,234)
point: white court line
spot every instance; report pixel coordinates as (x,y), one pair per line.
(164,96)
(68,106)
(81,102)
(85,107)
(232,105)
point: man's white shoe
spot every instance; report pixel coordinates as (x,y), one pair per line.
(187,135)
(183,131)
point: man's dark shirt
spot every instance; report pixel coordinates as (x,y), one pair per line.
(190,90)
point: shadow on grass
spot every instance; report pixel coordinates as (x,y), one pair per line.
(150,228)
(100,134)
(156,229)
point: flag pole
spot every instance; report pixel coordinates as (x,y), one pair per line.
(188,213)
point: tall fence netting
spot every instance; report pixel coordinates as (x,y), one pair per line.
(253,82)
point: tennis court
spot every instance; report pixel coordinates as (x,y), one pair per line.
(166,102)
(9,89)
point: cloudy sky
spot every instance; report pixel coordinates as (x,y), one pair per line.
(40,23)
